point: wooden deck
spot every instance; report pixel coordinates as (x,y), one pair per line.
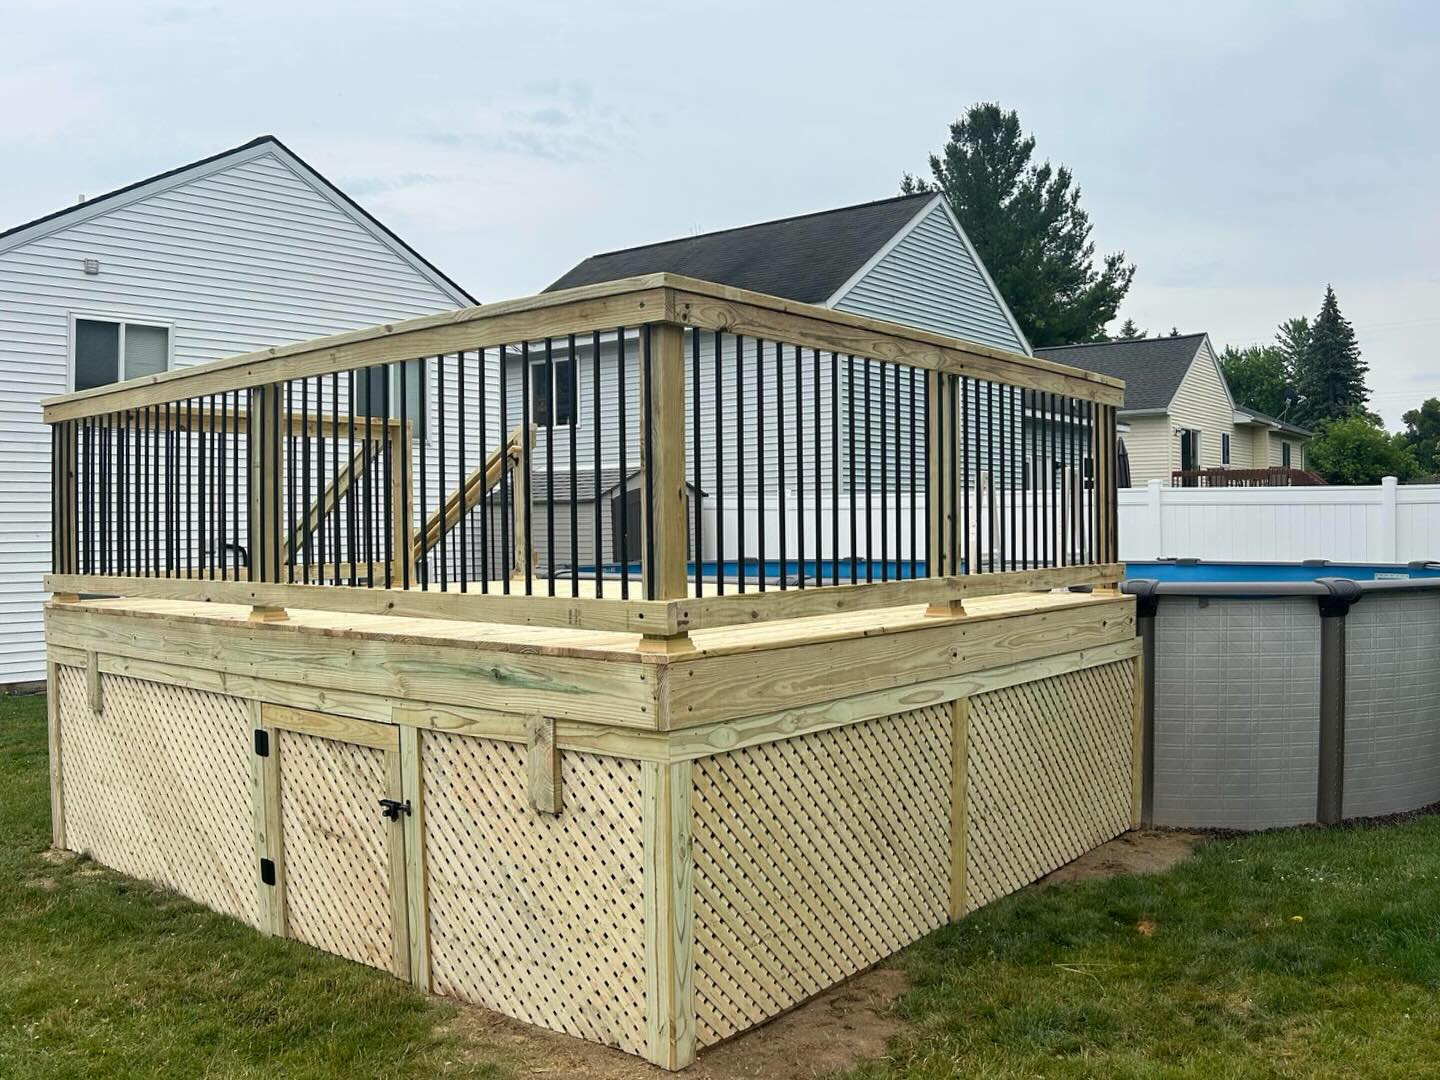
(650,850)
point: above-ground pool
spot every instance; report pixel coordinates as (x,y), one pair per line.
(1200,570)
(1311,695)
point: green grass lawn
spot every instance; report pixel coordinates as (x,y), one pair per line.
(108,977)
(1302,953)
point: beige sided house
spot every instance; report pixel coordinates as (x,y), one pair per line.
(1180,412)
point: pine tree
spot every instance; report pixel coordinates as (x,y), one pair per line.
(1026,222)
(1330,375)
(1130,332)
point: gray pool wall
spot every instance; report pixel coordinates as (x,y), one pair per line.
(1236,730)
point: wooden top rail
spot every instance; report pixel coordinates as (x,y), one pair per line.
(630,302)
(657,618)
(227,421)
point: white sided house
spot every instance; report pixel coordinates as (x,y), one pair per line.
(905,260)
(241,251)
(1179,410)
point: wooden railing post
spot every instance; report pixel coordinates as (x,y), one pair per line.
(940,515)
(662,412)
(264,483)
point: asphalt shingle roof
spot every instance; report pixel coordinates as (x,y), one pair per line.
(803,258)
(1151,367)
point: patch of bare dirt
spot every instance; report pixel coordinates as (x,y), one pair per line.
(835,1030)
(846,1023)
(1143,851)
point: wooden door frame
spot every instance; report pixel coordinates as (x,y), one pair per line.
(405,836)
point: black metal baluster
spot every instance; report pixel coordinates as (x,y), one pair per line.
(819,471)
(884,479)
(507,535)
(696,473)
(462,512)
(869,476)
(834,468)
(574,398)
(799,468)
(760,463)
(853,471)
(966,432)
(387,502)
(550,470)
(780,460)
(357,481)
(719,462)
(406,434)
(740,464)
(622,542)
(597,554)
(527,466)
(440,502)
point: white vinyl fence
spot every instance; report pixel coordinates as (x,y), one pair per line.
(1385,523)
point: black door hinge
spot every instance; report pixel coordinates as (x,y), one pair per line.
(392,809)
(262,743)
(267,871)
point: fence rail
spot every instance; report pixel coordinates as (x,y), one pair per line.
(651,454)
(1271,476)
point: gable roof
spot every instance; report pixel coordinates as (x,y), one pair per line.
(806,258)
(1151,367)
(264,144)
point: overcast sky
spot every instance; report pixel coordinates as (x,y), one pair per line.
(1242,155)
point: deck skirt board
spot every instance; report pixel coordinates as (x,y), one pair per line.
(738,827)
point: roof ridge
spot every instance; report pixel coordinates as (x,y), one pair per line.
(762,224)
(259,140)
(1120,341)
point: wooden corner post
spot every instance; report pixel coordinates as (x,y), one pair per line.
(664,550)
(669,913)
(663,514)
(942,553)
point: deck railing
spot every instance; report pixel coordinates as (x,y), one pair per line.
(1271,476)
(657,454)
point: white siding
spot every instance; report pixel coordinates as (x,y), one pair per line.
(931,280)
(243,257)
(1202,403)
(1152,448)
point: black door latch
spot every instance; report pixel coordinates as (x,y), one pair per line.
(391,809)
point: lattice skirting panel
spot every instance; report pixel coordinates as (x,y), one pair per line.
(1048,775)
(337,858)
(537,916)
(157,785)
(815,857)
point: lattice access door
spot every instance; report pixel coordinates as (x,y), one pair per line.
(342,817)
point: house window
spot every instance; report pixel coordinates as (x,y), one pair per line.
(552,403)
(105,351)
(1285,454)
(1224,449)
(375,395)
